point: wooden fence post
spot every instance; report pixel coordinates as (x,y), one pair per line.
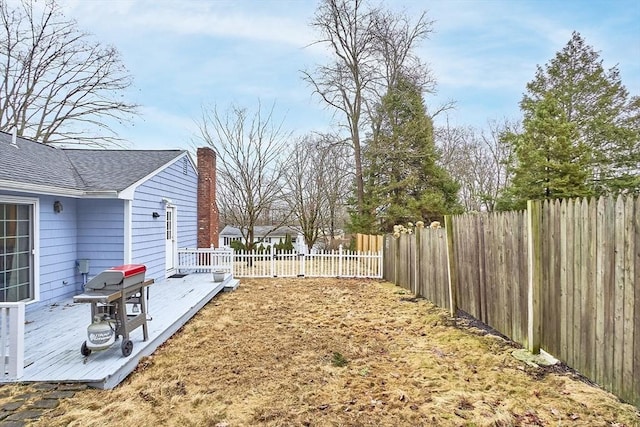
(417,260)
(534,222)
(451,265)
(396,261)
(384,252)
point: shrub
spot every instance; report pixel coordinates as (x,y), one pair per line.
(237,245)
(287,245)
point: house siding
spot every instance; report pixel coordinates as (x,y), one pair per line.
(59,278)
(101,233)
(148,233)
(58,238)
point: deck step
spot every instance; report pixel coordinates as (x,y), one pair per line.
(231,285)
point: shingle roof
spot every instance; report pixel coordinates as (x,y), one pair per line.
(34,163)
(86,170)
(117,169)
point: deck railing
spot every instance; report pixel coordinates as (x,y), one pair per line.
(202,260)
(336,263)
(12,339)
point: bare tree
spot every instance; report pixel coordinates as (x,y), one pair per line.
(347,27)
(250,148)
(57,84)
(499,153)
(396,36)
(317,170)
(304,181)
(338,172)
(478,161)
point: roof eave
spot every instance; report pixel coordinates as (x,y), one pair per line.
(102,194)
(51,190)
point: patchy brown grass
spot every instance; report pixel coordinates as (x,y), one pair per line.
(337,352)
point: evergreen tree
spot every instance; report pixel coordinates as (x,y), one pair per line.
(287,245)
(550,160)
(596,102)
(402,177)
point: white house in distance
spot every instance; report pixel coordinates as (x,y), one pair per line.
(266,235)
(65,212)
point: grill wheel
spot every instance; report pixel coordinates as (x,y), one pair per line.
(84,350)
(127,348)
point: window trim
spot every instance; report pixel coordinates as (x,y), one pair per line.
(35,204)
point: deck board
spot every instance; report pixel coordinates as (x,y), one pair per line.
(54,334)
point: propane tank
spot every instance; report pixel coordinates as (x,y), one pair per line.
(101,333)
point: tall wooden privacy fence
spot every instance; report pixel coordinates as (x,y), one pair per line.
(368,242)
(419,264)
(563,276)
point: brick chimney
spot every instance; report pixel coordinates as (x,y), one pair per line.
(208,215)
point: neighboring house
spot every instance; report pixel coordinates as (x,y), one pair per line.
(266,235)
(109,207)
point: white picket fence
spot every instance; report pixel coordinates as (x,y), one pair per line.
(12,339)
(336,263)
(200,260)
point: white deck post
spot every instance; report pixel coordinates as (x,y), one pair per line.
(12,333)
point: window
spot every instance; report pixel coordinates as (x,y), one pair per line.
(169,224)
(228,240)
(16,251)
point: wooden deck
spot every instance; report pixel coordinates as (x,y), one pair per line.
(54,334)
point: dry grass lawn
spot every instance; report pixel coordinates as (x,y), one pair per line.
(337,353)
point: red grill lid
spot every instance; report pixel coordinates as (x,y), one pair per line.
(129,270)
